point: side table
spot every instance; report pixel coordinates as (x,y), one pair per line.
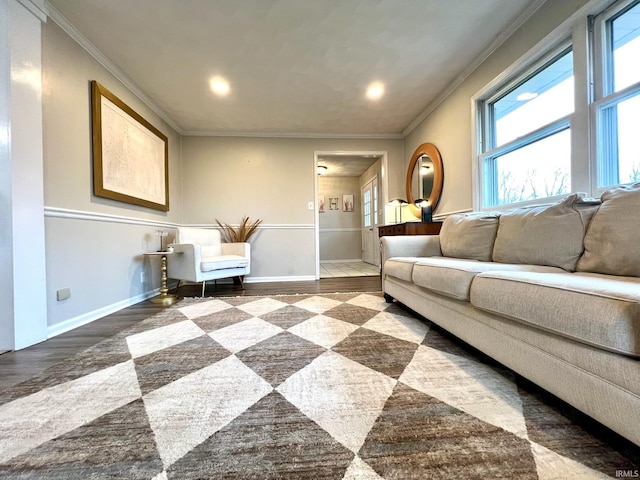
(410,228)
(164,298)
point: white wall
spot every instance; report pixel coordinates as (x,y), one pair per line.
(93,245)
(449,125)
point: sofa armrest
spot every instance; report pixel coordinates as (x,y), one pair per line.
(409,246)
(185,265)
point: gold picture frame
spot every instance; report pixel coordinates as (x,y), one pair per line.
(130,156)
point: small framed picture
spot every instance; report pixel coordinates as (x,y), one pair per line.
(347,203)
(333,203)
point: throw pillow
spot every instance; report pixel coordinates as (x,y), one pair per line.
(544,235)
(469,236)
(612,242)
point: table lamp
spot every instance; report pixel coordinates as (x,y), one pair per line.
(425,209)
(398,202)
(161,234)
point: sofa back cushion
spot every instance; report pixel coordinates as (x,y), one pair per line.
(612,242)
(545,235)
(469,235)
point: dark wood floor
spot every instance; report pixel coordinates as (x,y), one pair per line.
(16,367)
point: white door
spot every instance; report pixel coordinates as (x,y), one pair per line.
(370,221)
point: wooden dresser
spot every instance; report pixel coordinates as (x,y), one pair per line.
(410,228)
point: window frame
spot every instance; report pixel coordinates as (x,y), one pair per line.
(603,88)
(485,125)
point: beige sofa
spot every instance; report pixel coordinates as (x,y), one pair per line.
(552,292)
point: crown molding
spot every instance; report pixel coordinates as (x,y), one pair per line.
(370,136)
(102,59)
(503,37)
(38,7)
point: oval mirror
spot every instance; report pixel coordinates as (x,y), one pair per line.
(425,177)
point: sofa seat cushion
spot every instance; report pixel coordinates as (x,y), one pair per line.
(222,262)
(599,310)
(401,267)
(453,276)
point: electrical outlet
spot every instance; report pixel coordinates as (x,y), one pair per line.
(63,294)
(310,205)
(142,277)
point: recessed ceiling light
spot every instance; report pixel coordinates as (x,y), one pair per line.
(524,96)
(219,86)
(375,91)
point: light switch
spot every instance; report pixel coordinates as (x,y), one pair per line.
(310,205)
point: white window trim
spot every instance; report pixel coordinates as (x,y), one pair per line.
(601,84)
(537,65)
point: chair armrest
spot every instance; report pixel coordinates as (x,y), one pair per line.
(185,265)
(409,246)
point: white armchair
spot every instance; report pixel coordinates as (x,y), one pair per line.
(202,256)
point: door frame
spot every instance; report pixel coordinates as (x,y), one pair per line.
(383,188)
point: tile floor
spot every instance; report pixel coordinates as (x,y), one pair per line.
(348,269)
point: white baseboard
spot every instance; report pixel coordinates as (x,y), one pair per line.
(75,322)
(89,317)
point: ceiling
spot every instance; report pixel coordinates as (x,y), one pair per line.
(340,165)
(295,67)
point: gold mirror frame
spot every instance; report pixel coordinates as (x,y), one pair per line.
(432,152)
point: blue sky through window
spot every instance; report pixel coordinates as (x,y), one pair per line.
(543,98)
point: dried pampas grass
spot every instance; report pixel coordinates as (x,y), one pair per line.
(231,234)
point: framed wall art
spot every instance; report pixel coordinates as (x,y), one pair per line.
(130,156)
(347,203)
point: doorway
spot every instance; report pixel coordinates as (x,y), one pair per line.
(370,221)
(349,190)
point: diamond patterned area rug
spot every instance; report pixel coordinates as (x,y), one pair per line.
(341,386)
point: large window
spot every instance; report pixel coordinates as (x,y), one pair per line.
(526,133)
(617,105)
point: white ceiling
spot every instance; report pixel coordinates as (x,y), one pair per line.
(340,165)
(296,67)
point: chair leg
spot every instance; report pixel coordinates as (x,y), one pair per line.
(204,284)
(241,282)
